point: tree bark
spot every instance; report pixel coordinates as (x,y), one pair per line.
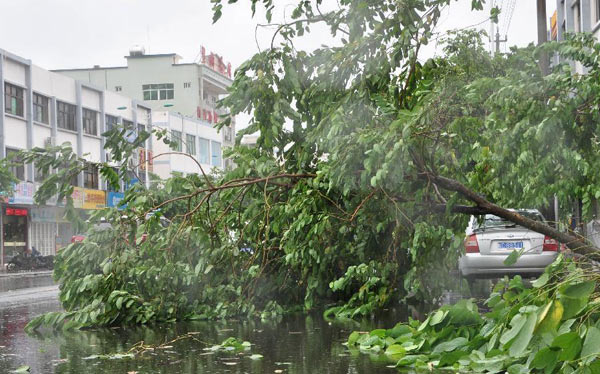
(576,243)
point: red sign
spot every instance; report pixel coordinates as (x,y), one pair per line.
(16,212)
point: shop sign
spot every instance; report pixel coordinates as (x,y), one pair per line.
(94,199)
(44,215)
(22,194)
(145,161)
(113,199)
(77,197)
(16,212)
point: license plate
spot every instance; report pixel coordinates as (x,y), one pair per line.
(510,245)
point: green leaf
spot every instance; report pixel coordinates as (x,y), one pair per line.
(545,357)
(256,356)
(591,345)
(541,281)
(438,317)
(353,338)
(513,257)
(579,290)
(570,343)
(523,337)
(395,350)
(450,345)
(22,369)
(516,324)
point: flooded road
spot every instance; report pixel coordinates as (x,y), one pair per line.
(295,344)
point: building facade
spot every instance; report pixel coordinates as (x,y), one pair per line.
(163,81)
(575,16)
(192,137)
(41,108)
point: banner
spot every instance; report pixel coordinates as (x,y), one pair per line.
(113,199)
(94,199)
(22,194)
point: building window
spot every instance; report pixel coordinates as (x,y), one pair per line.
(90,176)
(90,122)
(597,11)
(13,99)
(216,154)
(228,131)
(576,18)
(163,91)
(111,122)
(17,167)
(39,175)
(190,143)
(65,116)
(110,187)
(189,84)
(118,88)
(40,108)
(204,151)
(176,140)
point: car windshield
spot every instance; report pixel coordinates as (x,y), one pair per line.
(492,221)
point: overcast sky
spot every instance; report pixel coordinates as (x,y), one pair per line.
(58,34)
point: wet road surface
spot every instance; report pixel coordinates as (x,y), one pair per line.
(296,344)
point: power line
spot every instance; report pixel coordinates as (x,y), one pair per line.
(510,15)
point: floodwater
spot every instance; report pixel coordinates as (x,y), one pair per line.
(294,344)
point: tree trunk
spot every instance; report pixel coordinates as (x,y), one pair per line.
(575,243)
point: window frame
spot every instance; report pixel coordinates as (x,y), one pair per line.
(14,100)
(43,106)
(66,113)
(176,137)
(109,123)
(218,156)
(158,91)
(204,160)
(91,172)
(17,170)
(190,144)
(89,121)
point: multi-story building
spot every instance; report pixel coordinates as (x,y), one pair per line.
(191,137)
(41,108)
(575,16)
(162,80)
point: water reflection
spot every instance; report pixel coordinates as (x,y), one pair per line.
(295,344)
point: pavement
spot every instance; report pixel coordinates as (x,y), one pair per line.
(4,275)
(28,295)
(27,279)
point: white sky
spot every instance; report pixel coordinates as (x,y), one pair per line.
(58,34)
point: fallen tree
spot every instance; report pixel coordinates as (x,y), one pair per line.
(359,189)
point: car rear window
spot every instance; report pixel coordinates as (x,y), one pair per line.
(492,221)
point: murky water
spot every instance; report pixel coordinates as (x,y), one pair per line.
(295,344)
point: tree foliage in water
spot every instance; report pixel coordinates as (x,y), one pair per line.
(552,327)
(356,192)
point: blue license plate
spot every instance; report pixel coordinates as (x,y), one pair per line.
(510,245)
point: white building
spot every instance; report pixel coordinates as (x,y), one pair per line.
(193,137)
(39,108)
(575,16)
(162,80)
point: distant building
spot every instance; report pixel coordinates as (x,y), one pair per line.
(193,137)
(575,16)
(40,108)
(162,81)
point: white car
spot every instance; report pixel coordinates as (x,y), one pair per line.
(491,239)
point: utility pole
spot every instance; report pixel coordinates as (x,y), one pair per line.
(498,40)
(544,64)
(542,33)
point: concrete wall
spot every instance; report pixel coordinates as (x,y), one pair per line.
(166,164)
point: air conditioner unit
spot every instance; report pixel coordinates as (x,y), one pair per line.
(50,141)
